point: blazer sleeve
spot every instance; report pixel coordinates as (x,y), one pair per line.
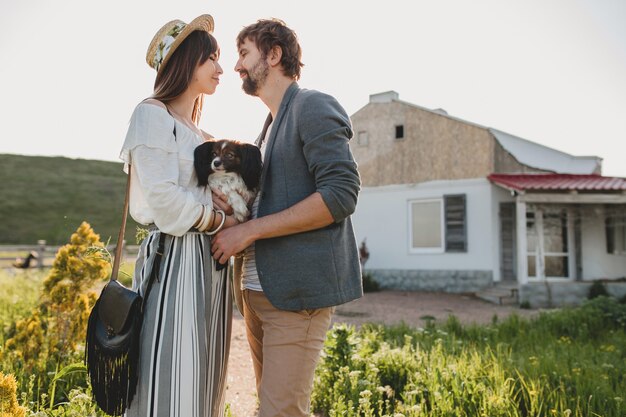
(325,129)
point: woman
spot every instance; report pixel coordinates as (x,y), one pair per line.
(186,330)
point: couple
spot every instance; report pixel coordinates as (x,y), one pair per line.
(296,257)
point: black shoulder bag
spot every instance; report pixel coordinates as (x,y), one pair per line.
(112,345)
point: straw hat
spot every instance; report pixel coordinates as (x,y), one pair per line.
(171,35)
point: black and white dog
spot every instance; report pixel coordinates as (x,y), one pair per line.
(232,167)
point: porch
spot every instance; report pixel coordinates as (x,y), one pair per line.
(561,229)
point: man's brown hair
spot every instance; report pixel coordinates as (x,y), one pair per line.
(268,33)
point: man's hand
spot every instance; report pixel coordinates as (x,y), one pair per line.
(309,214)
(220,201)
(229,242)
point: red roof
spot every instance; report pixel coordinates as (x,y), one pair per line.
(558,182)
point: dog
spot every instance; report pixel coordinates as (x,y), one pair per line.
(25,263)
(232,167)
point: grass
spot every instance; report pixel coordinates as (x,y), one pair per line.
(570,362)
(61,390)
(19,293)
(48,197)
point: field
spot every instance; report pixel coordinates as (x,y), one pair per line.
(562,363)
(48,197)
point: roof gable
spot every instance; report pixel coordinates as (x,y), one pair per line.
(541,157)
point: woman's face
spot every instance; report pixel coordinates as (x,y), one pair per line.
(207,75)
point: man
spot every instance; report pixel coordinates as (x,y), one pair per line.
(301,257)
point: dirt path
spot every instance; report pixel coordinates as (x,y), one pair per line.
(388,307)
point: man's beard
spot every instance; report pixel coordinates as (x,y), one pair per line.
(256,78)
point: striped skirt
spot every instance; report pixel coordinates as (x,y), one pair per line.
(186,330)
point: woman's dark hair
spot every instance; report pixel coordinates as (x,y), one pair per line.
(268,33)
(175,77)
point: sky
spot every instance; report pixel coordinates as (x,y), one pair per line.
(553,72)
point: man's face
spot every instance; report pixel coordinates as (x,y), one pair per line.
(252,68)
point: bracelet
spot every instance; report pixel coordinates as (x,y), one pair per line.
(196,225)
(202,219)
(207,220)
(218,228)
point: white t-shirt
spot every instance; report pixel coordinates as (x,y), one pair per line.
(250,275)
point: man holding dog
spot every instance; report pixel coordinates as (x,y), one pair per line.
(300,257)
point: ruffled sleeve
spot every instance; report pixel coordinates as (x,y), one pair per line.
(156,194)
(152,126)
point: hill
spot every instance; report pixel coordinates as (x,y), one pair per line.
(48,197)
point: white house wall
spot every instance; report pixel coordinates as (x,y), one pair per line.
(382,218)
(596,262)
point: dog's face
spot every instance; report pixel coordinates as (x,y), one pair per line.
(225,157)
(228,156)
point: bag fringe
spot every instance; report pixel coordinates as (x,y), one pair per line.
(113,375)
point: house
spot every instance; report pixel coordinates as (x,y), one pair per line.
(450,205)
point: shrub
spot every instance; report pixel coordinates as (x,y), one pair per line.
(8,397)
(54,333)
(369,283)
(597,289)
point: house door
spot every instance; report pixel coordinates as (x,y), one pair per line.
(550,242)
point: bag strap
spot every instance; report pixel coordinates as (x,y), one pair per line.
(120,236)
(120,239)
(156,267)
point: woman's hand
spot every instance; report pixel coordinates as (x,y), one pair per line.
(220,201)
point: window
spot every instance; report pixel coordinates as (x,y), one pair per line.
(615,222)
(399,131)
(362,139)
(426,226)
(438,225)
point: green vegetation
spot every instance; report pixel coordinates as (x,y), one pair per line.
(565,363)
(43,340)
(19,293)
(48,198)
(369,283)
(597,289)
(569,362)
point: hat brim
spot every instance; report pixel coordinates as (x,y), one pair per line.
(203,22)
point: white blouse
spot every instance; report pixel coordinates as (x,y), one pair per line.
(163,185)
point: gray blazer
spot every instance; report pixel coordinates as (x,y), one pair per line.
(308,152)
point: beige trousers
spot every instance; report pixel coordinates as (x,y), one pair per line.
(285,348)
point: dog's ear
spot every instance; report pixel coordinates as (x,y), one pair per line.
(251,165)
(202,162)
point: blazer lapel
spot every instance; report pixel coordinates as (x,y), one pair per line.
(268,121)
